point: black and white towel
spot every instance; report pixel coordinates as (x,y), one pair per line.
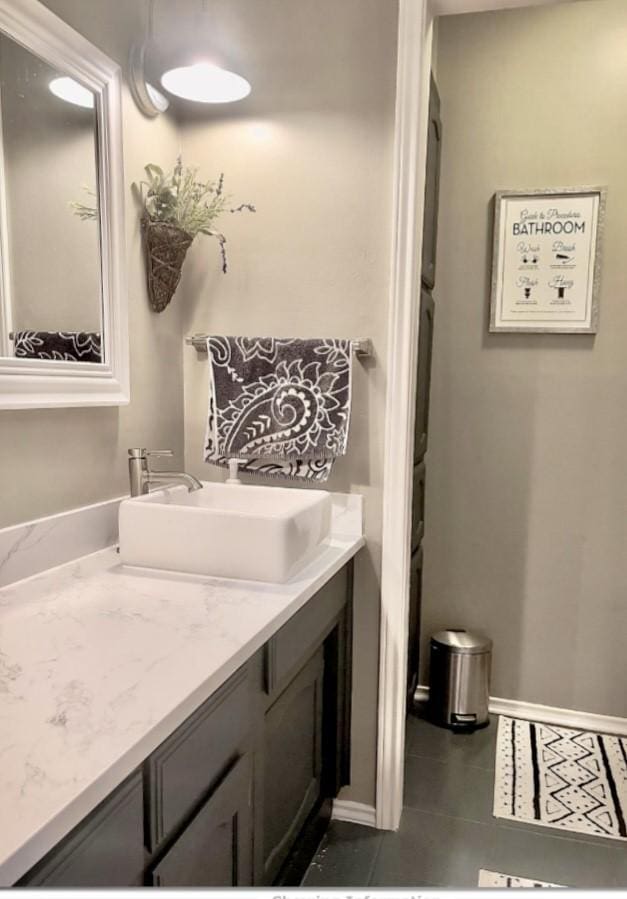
(64,346)
(281,405)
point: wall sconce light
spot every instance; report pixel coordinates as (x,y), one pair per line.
(204,82)
(200,79)
(150,100)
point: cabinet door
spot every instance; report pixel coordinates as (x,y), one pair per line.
(432,189)
(423,380)
(104,850)
(215,849)
(415,592)
(418,505)
(292,757)
(192,760)
(298,638)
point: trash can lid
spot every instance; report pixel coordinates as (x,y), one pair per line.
(460,640)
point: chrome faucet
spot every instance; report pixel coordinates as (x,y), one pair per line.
(143,478)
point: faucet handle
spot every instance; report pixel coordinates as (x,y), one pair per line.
(157,453)
(137,452)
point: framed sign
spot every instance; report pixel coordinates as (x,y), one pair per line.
(546,264)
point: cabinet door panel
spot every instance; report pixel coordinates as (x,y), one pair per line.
(418,505)
(189,762)
(432,189)
(294,643)
(423,381)
(105,850)
(292,763)
(215,849)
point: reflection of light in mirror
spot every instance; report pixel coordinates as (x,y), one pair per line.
(160,102)
(204,82)
(67,89)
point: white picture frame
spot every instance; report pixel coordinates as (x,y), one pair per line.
(546,262)
(28,384)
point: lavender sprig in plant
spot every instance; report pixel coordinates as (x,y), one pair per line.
(180,199)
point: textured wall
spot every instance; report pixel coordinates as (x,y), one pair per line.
(312,149)
(527,485)
(57,459)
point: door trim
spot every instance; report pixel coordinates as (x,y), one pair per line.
(413,69)
(415,28)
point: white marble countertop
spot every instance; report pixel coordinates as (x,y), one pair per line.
(99,663)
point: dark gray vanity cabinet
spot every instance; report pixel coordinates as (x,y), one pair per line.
(292,761)
(216,847)
(107,849)
(195,758)
(224,799)
(305,733)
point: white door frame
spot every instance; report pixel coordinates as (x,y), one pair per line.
(410,147)
(415,30)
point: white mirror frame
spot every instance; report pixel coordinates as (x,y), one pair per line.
(26,384)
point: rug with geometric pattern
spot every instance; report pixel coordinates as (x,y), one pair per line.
(562,778)
(490,879)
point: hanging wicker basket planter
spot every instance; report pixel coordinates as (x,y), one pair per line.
(165,246)
(176,206)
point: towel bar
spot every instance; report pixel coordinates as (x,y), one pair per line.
(361,347)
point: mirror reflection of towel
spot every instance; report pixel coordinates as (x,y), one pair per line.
(280,405)
(64,346)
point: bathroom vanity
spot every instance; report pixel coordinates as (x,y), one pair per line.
(222,801)
(181,730)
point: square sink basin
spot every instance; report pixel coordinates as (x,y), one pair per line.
(225,530)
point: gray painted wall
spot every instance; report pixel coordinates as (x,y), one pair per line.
(313,150)
(57,459)
(527,479)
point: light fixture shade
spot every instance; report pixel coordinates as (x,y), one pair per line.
(71,91)
(204,82)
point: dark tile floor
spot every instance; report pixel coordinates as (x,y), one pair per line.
(447,831)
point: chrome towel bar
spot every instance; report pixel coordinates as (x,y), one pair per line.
(361,347)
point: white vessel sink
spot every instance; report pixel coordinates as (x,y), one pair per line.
(225,530)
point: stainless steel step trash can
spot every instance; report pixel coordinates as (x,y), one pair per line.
(459,679)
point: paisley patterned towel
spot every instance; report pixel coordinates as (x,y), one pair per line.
(64,346)
(281,405)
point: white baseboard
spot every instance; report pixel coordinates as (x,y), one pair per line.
(355,812)
(531,711)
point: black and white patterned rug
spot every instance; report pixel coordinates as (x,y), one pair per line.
(492,879)
(562,778)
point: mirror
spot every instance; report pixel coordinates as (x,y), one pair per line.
(62,293)
(50,179)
